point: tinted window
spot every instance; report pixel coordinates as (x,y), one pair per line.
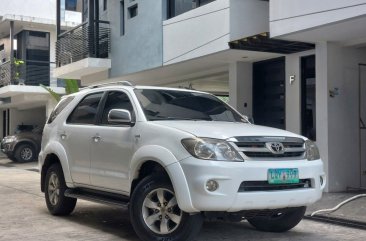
(177,7)
(60,106)
(86,111)
(116,100)
(184,105)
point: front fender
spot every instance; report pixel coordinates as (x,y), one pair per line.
(167,160)
(57,149)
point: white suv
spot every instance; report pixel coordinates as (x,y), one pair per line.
(175,157)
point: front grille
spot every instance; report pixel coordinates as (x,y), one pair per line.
(255,147)
(253,186)
(271,155)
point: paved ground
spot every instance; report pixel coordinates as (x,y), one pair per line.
(24,216)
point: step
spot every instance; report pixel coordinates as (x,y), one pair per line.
(98,197)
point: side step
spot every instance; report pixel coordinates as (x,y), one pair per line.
(98,197)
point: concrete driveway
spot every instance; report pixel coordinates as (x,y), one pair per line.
(24,216)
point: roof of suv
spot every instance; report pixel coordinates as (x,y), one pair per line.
(119,86)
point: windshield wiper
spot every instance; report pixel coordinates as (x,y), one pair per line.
(177,118)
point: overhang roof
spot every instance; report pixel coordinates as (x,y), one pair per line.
(263,43)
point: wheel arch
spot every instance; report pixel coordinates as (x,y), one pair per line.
(26,141)
(151,159)
(54,153)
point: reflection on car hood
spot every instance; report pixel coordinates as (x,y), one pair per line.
(224,130)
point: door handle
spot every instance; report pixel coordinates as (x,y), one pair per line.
(63,136)
(96,139)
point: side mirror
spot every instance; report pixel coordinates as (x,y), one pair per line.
(119,116)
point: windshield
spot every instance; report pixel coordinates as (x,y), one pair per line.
(161,104)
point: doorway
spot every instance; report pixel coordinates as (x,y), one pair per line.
(269,102)
(362,123)
(308,117)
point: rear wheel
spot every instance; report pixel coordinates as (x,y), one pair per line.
(279,222)
(55,187)
(155,214)
(24,153)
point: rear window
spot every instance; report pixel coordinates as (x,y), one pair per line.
(59,107)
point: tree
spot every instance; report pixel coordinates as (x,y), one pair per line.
(71,86)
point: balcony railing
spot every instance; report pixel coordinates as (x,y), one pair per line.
(85,40)
(30,72)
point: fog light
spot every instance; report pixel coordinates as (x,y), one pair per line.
(321,181)
(212,185)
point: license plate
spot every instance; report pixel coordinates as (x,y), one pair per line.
(281,176)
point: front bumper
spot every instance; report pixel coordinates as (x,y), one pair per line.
(7,148)
(230,175)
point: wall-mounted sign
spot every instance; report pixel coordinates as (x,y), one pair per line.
(292,79)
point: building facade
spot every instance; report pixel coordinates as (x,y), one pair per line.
(27,60)
(286,63)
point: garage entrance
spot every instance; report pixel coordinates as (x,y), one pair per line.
(269,93)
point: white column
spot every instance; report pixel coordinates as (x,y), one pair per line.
(337,113)
(240,87)
(321,97)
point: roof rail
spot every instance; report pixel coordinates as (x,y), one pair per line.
(124,83)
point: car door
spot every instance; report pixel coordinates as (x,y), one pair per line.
(113,146)
(76,136)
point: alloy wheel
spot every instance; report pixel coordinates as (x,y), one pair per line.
(161,212)
(54,189)
(26,154)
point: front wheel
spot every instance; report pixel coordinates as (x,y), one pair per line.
(279,222)
(24,153)
(155,214)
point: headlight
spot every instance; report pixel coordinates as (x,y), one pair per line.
(211,149)
(312,151)
(9,139)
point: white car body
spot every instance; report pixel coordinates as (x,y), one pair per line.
(113,163)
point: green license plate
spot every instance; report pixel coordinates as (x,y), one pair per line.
(281,176)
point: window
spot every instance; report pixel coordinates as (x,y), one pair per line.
(177,7)
(116,100)
(132,11)
(122,18)
(70,5)
(86,111)
(184,105)
(104,5)
(60,106)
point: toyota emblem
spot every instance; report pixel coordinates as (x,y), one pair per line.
(275,147)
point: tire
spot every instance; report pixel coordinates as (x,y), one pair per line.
(24,153)
(12,158)
(153,200)
(55,187)
(278,223)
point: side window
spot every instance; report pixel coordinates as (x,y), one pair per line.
(116,100)
(86,111)
(60,106)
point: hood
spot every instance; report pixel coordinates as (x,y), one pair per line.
(224,130)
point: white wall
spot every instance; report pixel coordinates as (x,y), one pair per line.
(293,91)
(288,16)
(35,116)
(248,18)
(198,32)
(240,87)
(337,117)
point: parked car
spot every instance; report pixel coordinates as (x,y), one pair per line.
(23,146)
(175,157)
